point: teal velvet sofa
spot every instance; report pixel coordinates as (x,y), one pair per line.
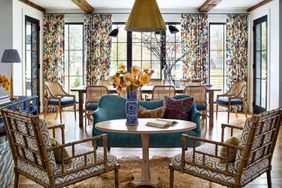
(113,107)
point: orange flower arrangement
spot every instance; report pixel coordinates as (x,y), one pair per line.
(130,80)
(4,82)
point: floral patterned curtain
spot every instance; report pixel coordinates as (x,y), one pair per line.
(97,46)
(53,47)
(194,44)
(236,47)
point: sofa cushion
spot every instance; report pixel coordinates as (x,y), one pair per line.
(156,113)
(178,109)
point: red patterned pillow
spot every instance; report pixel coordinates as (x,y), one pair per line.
(178,109)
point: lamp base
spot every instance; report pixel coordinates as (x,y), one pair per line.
(13,98)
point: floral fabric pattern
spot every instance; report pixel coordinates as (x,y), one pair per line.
(53,47)
(194,42)
(236,48)
(97,46)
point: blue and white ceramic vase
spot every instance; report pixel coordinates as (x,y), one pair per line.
(131,108)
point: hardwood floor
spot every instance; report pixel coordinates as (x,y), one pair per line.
(73,132)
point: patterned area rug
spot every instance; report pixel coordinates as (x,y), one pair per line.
(130,167)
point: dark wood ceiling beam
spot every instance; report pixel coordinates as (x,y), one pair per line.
(84,5)
(208,5)
(258,5)
(33,5)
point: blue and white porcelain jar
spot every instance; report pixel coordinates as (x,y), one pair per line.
(131,108)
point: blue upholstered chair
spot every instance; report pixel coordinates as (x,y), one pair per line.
(113,107)
(233,97)
(56,96)
(93,95)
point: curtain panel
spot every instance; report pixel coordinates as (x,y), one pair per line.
(53,48)
(194,45)
(97,46)
(236,48)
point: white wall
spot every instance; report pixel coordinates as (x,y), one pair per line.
(20,10)
(6,37)
(272,11)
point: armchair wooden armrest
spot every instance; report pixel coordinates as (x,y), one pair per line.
(87,164)
(204,154)
(62,127)
(232,127)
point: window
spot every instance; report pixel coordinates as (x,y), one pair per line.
(119,49)
(146,49)
(217,56)
(74,59)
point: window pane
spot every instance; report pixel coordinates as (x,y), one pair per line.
(146,53)
(258,88)
(258,65)
(217,37)
(156,66)
(263,35)
(136,37)
(258,37)
(114,51)
(75,37)
(122,51)
(122,34)
(136,51)
(263,65)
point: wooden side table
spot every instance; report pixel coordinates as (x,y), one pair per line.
(119,126)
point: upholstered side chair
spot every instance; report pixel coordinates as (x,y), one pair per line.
(93,95)
(253,154)
(234,97)
(34,155)
(159,91)
(55,95)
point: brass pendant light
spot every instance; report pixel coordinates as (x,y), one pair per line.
(145,16)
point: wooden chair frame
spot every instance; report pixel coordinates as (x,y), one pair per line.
(87,101)
(42,151)
(58,95)
(170,88)
(274,116)
(231,95)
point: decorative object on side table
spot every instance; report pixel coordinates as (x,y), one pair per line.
(11,56)
(131,81)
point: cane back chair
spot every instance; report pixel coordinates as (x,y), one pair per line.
(199,93)
(56,96)
(253,154)
(93,95)
(233,97)
(34,158)
(159,91)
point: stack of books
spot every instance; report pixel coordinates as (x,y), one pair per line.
(161,123)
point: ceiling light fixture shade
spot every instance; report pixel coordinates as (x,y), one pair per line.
(172,29)
(114,33)
(145,16)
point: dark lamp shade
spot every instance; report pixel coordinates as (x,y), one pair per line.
(172,29)
(10,56)
(114,33)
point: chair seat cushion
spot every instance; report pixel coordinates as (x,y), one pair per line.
(211,162)
(91,106)
(201,106)
(224,100)
(64,101)
(76,163)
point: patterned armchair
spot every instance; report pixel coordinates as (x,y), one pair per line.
(34,155)
(233,97)
(253,155)
(56,96)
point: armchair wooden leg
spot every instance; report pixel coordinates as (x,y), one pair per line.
(116,177)
(60,110)
(228,113)
(171,176)
(46,109)
(57,112)
(74,106)
(16,180)
(236,110)
(216,110)
(268,173)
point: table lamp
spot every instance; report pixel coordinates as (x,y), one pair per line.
(11,56)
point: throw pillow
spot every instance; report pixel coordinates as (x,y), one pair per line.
(155,113)
(58,153)
(230,155)
(178,109)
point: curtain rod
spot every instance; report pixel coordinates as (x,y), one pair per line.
(162,13)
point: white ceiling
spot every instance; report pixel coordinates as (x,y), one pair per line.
(101,5)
